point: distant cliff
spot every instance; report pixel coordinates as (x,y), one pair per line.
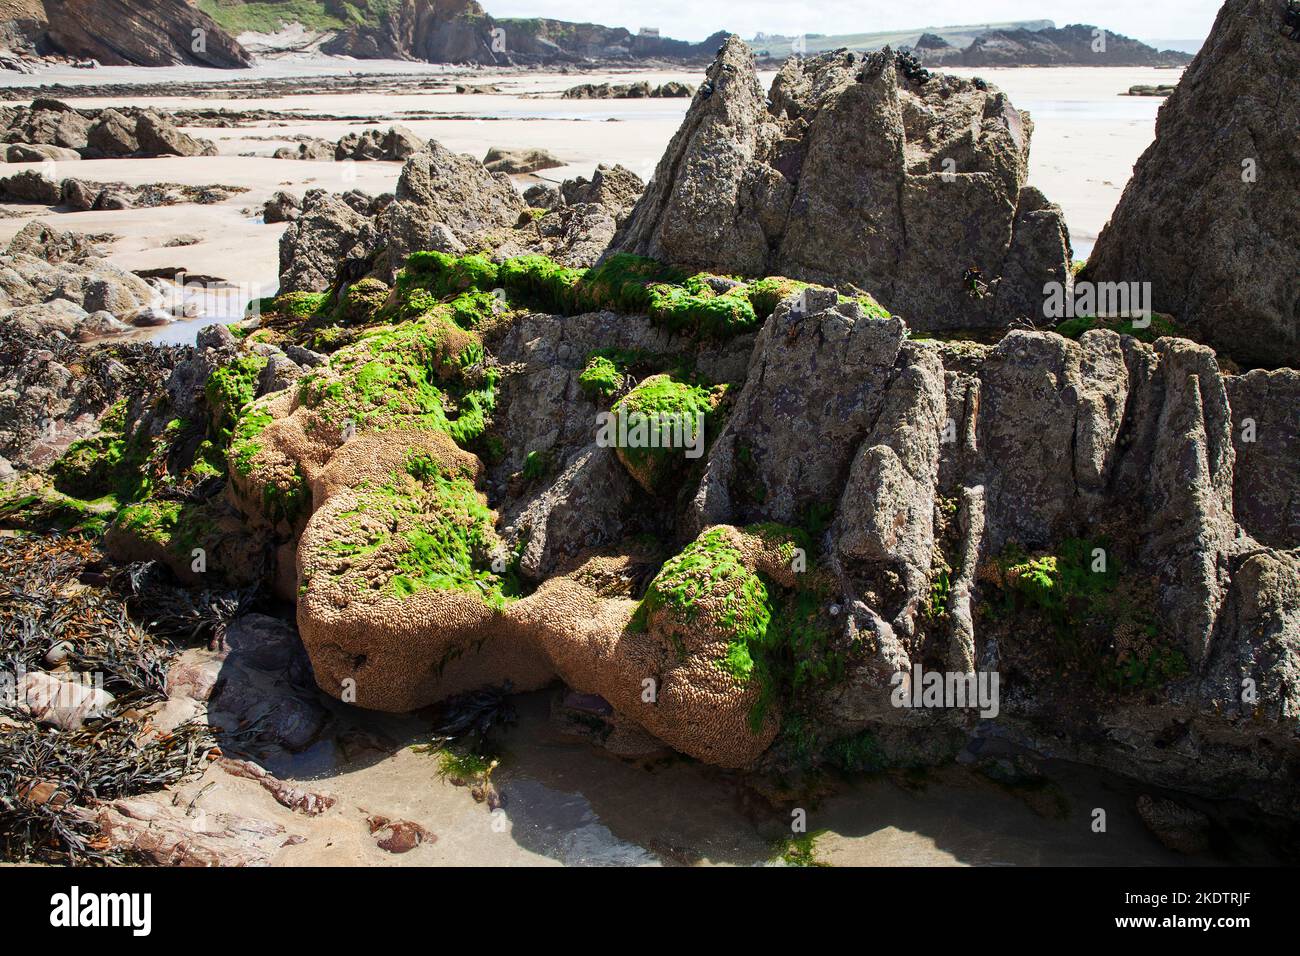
(456,31)
(1073,45)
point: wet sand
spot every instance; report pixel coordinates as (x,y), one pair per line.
(570,803)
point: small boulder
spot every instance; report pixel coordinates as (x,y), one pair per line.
(499,160)
(158,137)
(113,135)
(66,704)
(40,153)
(32,186)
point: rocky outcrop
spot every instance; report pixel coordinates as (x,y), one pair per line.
(931,216)
(628,91)
(135,32)
(1211,224)
(440,194)
(93,134)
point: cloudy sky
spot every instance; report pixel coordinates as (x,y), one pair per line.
(696,19)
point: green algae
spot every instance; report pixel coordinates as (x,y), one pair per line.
(701,305)
(440,534)
(1160,325)
(663,414)
(229,390)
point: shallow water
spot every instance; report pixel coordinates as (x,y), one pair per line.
(569,802)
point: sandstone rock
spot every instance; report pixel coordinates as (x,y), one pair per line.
(158,137)
(499,160)
(1209,223)
(40,153)
(113,135)
(174,836)
(307,802)
(49,122)
(931,192)
(140,32)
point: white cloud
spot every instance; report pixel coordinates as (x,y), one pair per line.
(696,19)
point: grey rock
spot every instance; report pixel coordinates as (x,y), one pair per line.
(855,175)
(282,207)
(519,160)
(1221,249)
(1266,437)
(327,233)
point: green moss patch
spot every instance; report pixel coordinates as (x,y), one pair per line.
(701,305)
(1161,325)
(652,426)
(435,529)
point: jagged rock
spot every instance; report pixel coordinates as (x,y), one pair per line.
(932,190)
(32,186)
(499,160)
(282,207)
(43,241)
(613,186)
(438,186)
(49,122)
(327,233)
(1210,223)
(395,144)
(576,235)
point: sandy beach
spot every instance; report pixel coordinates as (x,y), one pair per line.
(1087,137)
